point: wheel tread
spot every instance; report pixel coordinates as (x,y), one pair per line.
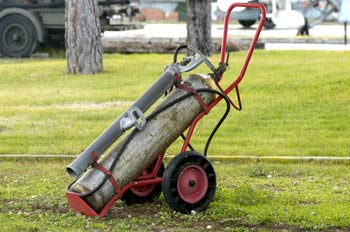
(170,179)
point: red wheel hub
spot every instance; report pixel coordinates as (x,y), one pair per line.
(192,184)
(145,190)
(142,191)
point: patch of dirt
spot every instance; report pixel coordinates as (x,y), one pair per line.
(55,208)
(161,218)
(120,210)
(18,206)
(154,212)
(158,215)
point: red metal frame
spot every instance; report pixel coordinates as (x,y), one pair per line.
(234,85)
(78,204)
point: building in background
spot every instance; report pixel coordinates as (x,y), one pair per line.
(159,10)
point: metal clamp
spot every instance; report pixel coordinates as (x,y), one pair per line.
(135,118)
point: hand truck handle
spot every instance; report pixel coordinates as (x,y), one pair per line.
(253,43)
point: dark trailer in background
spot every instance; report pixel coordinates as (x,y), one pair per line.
(26,23)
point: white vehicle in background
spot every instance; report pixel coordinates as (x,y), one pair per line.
(301,14)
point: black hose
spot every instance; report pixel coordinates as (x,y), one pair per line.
(222,119)
(178,49)
(128,139)
(149,117)
(189,144)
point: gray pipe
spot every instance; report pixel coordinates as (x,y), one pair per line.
(114,131)
(157,135)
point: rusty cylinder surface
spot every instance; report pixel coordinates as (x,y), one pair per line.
(157,135)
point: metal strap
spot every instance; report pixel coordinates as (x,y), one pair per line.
(204,106)
(106,172)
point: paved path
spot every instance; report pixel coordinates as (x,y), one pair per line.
(179,31)
(322,37)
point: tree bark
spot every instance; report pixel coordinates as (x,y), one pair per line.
(199,25)
(157,135)
(83,37)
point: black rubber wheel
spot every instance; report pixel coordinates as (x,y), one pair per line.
(247,23)
(17,36)
(143,194)
(189,182)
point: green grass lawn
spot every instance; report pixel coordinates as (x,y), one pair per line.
(249,196)
(295,103)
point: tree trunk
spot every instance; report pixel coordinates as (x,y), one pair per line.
(83,37)
(157,135)
(199,25)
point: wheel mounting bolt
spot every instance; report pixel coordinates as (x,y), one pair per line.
(192,183)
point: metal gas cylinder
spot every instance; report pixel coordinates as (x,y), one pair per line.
(146,144)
